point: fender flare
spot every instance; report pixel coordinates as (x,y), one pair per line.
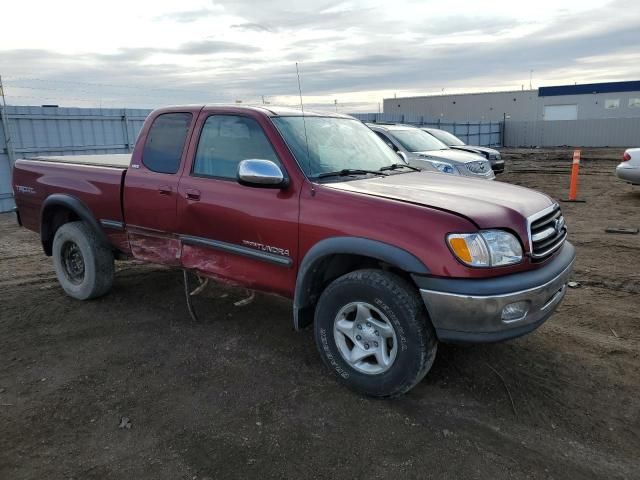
(384,252)
(76,206)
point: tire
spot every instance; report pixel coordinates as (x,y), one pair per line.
(84,266)
(390,302)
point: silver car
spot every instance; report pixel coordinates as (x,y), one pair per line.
(419,149)
(629,169)
(449,139)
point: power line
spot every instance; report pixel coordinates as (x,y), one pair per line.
(105,85)
(59,93)
(88,92)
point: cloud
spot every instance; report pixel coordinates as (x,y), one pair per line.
(189,16)
(255,27)
(287,15)
(208,47)
(346,51)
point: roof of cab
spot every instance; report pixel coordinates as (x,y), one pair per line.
(275,111)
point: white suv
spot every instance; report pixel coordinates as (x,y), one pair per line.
(629,169)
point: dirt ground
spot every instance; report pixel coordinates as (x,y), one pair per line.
(241,395)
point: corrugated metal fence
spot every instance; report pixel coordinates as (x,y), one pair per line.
(606,132)
(68,131)
(601,132)
(63,131)
(487,134)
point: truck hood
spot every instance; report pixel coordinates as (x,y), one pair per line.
(487,204)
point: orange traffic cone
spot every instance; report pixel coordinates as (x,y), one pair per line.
(573,186)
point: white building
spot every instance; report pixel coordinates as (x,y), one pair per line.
(566,102)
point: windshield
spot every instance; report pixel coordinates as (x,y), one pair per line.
(446,138)
(415,140)
(334,144)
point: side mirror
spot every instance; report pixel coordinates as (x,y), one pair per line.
(403,156)
(261,173)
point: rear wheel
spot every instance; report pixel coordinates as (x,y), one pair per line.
(372,329)
(84,266)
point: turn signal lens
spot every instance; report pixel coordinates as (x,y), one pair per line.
(487,248)
(460,248)
(470,248)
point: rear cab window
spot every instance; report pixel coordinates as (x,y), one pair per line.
(166,141)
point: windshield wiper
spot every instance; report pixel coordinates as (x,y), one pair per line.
(349,171)
(395,166)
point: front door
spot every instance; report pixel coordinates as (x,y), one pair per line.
(237,233)
(151,189)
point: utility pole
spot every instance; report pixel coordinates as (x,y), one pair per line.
(5,128)
(530,77)
(504,126)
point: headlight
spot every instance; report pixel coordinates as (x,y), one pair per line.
(487,248)
(444,167)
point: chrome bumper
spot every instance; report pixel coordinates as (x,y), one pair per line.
(478,317)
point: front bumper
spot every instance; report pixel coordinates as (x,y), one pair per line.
(497,166)
(470,311)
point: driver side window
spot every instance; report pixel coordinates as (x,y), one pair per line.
(225,141)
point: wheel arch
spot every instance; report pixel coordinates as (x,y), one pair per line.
(58,209)
(336,256)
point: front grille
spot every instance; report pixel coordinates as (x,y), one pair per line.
(548,232)
(480,167)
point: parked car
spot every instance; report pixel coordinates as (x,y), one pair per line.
(629,169)
(449,139)
(419,148)
(382,260)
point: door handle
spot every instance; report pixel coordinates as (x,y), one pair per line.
(192,194)
(164,190)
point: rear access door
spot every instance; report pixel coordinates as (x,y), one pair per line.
(151,186)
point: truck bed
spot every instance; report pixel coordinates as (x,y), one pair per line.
(94,180)
(119,160)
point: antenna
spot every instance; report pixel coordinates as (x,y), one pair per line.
(299,89)
(304,123)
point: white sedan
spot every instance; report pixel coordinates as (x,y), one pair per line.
(629,169)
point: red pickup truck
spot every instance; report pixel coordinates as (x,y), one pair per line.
(383,260)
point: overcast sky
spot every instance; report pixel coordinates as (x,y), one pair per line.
(147,54)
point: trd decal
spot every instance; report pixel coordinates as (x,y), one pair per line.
(23,189)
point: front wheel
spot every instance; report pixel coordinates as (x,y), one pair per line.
(84,266)
(372,329)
